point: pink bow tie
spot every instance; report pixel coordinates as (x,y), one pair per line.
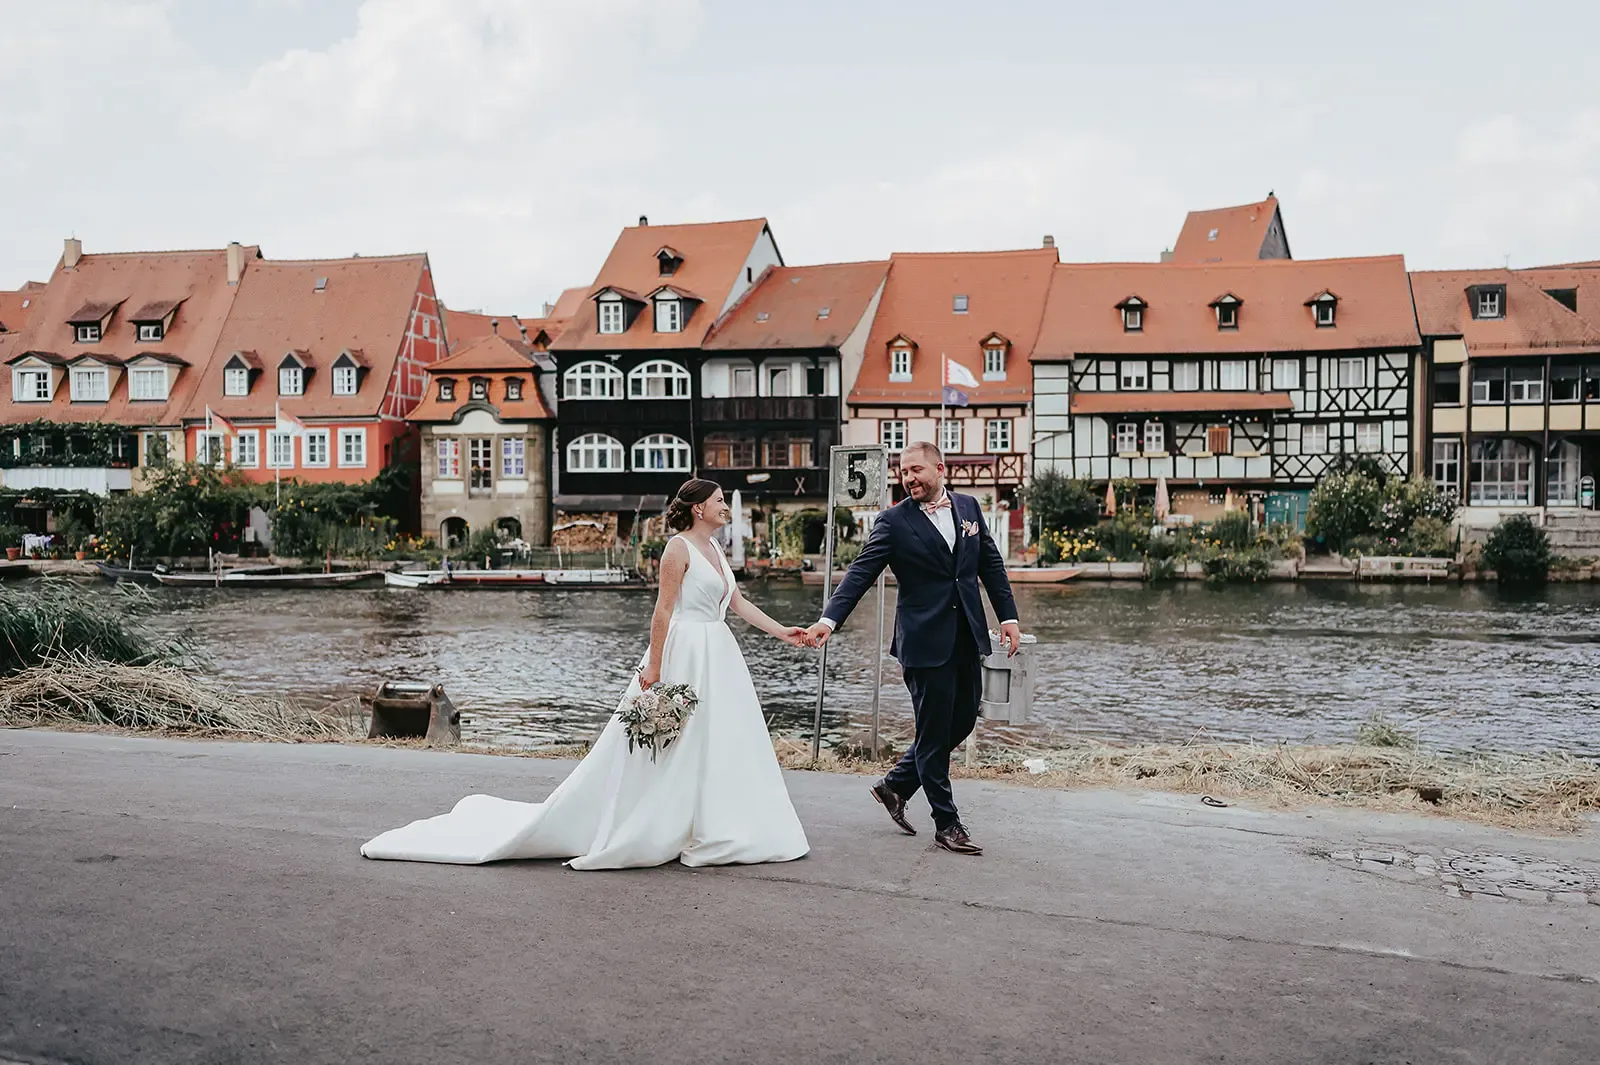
(942,504)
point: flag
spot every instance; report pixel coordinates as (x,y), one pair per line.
(954,397)
(288,423)
(957,374)
(216,421)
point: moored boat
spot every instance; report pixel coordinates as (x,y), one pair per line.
(270,577)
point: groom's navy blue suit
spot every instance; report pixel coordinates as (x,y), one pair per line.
(939,630)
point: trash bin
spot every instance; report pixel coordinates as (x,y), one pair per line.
(1008,681)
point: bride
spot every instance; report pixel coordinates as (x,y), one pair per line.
(714,797)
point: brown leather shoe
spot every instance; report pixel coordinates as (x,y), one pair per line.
(955,839)
(895,805)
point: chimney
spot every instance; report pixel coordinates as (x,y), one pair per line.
(1049,241)
(548,307)
(1166,256)
(72,252)
(494,326)
(644,220)
(235,262)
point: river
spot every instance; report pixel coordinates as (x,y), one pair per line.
(1471,667)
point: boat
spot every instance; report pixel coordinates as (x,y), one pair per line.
(1019,575)
(513,578)
(112,572)
(267,577)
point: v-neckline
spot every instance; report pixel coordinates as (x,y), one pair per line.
(717,565)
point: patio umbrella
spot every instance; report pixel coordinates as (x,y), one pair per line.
(737,528)
(1111,497)
(1228,502)
(1163,503)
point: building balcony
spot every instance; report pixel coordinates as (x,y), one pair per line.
(745,409)
(94,480)
(600,412)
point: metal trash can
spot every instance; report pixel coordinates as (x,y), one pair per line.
(1008,681)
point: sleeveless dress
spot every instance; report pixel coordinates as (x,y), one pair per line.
(715,797)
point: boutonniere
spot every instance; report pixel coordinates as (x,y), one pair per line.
(969,528)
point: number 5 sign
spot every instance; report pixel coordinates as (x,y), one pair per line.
(860,477)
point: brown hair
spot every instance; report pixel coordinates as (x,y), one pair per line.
(680,512)
(927,448)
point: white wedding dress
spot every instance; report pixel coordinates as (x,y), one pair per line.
(715,797)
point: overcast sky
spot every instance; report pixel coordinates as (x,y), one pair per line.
(510,139)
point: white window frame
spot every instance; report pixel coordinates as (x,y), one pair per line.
(959,304)
(151,332)
(584,454)
(1325,312)
(345,380)
(478,388)
(146,375)
(674,451)
(1489,303)
(1285,375)
(1446,460)
(346,437)
(669,315)
(950,436)
(1132,319)
(1490,483)
(513,457)
(997,436)
(892,434)
(247,449)
(994,363)
(613,317)
(1231,312)
(291,381)
(1190,370)
(899,364)
(209,448)
(674,380)
(1233,368)
(91,384)
(1133,376)
(24,385)
(447,458)
(1369,438)
(316,440)
(280,439)
(236,381)
(1314,438)
(87,334)
(1155,438)
(1353,373)
(1524,389)
(592,379)
(1127,438)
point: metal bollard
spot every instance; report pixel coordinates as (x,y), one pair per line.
(1008,681)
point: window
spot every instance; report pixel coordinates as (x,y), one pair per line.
(997,436)
(611,316)
(90,384)
(1186,376)
(1127,438)
(480,449)
(1447,464)
(900,364)
(1369,437)
(1501,472)
(352,447)
(149,332)
(1314,439)
(157,450)
(666,263)
(1132,318)
(1591,384)
(892,434)
(447,453)
(479,388)
(280,450)
(777,381)
(236,381)
(744,381)
(344,380)
(1155,438)
(950,436)
(669,316)
(1490,302)
(1322,309)
(1211,235)
(1561,474)
(1488,384)
(87,334)
(595,453)
(1233,375)
(31,386)
(447,389)
(247,449)
(1447,386)
(1227,315)
(592,380)
(147,383)
(662,452)
(730,451)
(1219,440)
(659,379)
(316,447)
(1352,373)
(959,305)
(788,451)
(1285,374)
(208,449)
(1135,376)
(514,457)
(291,381)
(994,364)
(1527,384)
(1566,384)
(513,389)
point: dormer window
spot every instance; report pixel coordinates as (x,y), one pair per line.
(447,389)
(88,334)
(513,389)
(900,363)
(994,357)
(347,371)
(669,316)
(612,316)
(1132,309)
(292,374)
(1324,306)
(1227,308)
(150,332)
(90,384)
(1488,301)
(667,262)
(959,305)
(480,388)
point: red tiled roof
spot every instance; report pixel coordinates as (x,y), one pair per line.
(1239,233)
(493,355)
(16,307)
(714,254)
(1177,402)
(1532,322)
(1584,277)
(784,309)
(366,303)
(1374,308)
(199,278)
(569,303)
(1005,293)
(466,327)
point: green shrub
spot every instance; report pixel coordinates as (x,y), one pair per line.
(1409,501)
(1430,537)
(1055,501)
(1343,507)
(1237,567)
(1162,569)
(1160,548)
(1126,536)
(846,552)
(1233,531)
(1518,551)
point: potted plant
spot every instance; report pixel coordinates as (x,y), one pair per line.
(11,536)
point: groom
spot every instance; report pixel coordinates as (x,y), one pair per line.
(939,547)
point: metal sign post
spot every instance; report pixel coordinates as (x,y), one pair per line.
(857,477)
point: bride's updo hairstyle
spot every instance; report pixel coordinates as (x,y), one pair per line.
(680,512)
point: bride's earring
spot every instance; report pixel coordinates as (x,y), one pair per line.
(699,514)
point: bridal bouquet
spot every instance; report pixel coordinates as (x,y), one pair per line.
(656,716)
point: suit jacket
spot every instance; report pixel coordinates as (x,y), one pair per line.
(936,584)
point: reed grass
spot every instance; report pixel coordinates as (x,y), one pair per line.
(54,618)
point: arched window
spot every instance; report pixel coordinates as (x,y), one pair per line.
(659,379)
(592,380)
(662,453)
(595,453)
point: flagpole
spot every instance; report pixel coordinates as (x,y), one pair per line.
(944,382)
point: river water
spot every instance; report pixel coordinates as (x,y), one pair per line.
(1469,666)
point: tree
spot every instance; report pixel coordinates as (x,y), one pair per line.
(1343,507)
(1056,502)
(1518,551)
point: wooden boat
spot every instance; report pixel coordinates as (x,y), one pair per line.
(459,579)
(112,572)
(267,577)
(1020,575)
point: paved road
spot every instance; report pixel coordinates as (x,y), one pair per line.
(174,902)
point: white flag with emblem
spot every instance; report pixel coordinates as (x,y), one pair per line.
(957,374)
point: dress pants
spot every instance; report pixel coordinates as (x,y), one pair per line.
(945,701)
